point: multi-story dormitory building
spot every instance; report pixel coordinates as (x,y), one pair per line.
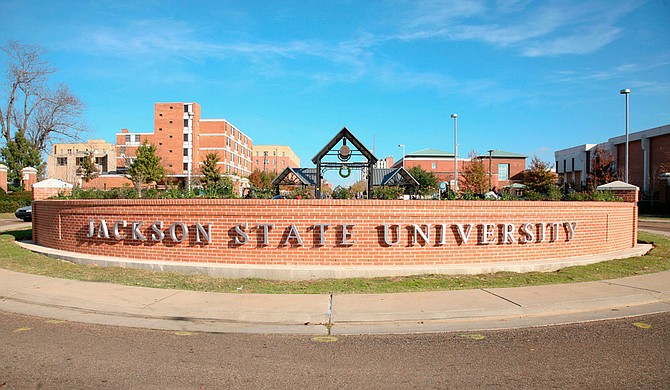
(182,139)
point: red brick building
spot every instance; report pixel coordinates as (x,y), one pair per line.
(183,139)
(503,168)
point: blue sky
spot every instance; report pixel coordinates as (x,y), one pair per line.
(528,77)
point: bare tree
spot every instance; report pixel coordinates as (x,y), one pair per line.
(42,113)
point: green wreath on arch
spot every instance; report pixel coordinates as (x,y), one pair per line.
(345,171)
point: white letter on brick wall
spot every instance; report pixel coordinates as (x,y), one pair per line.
(386,234)
(321,227)
(346,234)
(264,227)
(419,232)
(571,230)
(103,232)
(115,230)
(464,235)
(508,230)
(137,235)
(173,231)
(241,237)
(527,233)
(157,234)
(488,233)
(206,234)
(292,233)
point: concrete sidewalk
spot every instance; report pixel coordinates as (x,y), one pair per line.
(110,304)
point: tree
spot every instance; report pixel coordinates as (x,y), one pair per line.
(87,168)
(427,180)
(20,153)
(261,179)
(603,167)
(538,177)
(475,176)
(41,113)
(146,167)
(359,187)
(211,173)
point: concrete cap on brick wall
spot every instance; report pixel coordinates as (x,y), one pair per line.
(617,186)
(52,183)
(3,168)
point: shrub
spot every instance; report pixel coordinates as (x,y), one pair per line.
(9,206)
(387,192)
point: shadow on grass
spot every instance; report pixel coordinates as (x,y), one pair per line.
(20,235)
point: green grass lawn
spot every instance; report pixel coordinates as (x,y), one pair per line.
(15,258)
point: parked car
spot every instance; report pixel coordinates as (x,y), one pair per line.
(25,213)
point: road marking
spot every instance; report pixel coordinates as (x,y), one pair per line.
(473,336)
(22,329)
(642,325)
(183,333)
(324,339)
(55,322)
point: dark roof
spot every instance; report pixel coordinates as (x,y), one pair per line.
(392,176)
(345,134)
(296,176)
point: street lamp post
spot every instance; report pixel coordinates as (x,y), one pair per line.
(490,166)
(403,154)
(455,116)
(627,93)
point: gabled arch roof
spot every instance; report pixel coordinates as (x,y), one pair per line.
(345,134)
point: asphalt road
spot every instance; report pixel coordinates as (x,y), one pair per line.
(630,353)
(655,226)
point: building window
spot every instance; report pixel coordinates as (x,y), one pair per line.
(137,138)
(565,163)
(185,137)
(573,164)
(185,151)
(434,165)
(127,138)
(503,172)
(61,161)
(186,166)
(185,122)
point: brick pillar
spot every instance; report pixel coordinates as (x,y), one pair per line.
(627,192)
(3,177)
(29,177)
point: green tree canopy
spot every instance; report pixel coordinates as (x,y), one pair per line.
(20,153)
(211,173)
(538,177)
(146,167)
(427,180)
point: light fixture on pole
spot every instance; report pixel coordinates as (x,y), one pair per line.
(455,116)
(627,93)
(490,166)
(403,154)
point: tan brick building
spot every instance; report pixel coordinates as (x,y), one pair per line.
(65,159)
(274,158)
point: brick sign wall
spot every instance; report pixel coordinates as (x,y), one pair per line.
(335,232)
